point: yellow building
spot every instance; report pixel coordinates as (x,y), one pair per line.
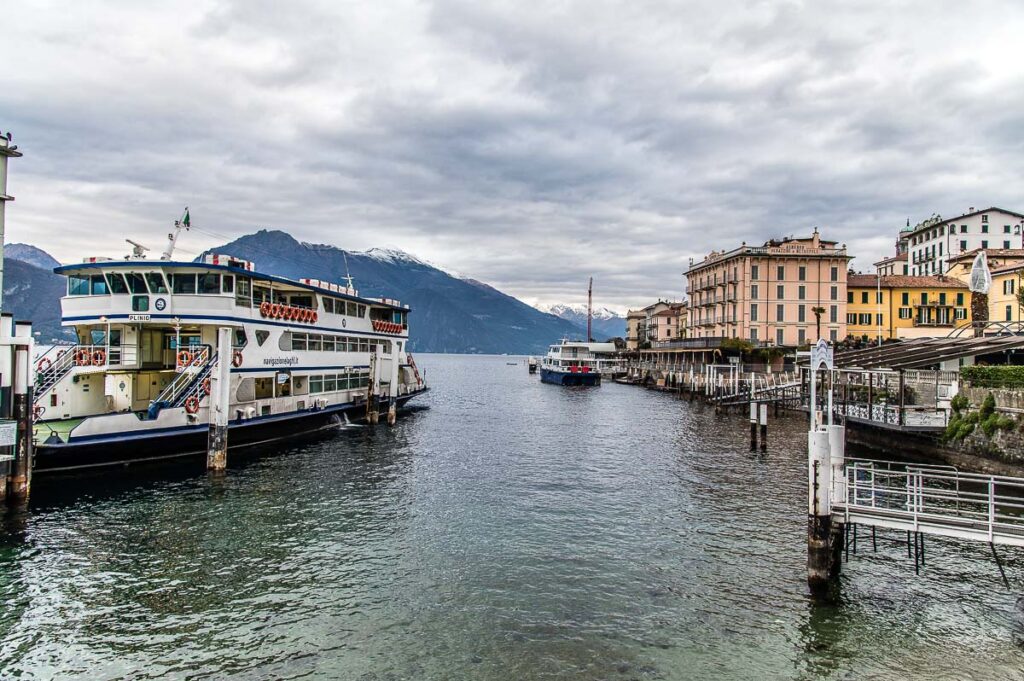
(904,307)
(1003,304)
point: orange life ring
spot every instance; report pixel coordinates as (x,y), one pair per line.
(192,404)
(81,357)
(206,385)
(314,317)
(264,308)
(44,364)
(293,313)
(275,310)
(306,314)
(99,358)
(236,358)
(184,358)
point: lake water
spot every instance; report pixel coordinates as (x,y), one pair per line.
(507,530)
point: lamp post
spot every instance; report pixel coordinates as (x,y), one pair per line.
(878,304)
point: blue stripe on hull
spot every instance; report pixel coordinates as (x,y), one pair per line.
(569,378)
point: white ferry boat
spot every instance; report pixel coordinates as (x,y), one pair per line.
(581,363)
(306,356)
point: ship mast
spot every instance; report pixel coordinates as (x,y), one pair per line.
(590,309)
(172,238)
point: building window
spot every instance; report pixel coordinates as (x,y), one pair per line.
(1008,287)
(963,244)
(879,297)
(963,230)
(780,291)
(780,273)
(779,337)
(1006,229)
(801,337)
(849,296)
(833,335)
(851,318)
(924,297)
(864,319)
(835,274)
(753,313)
(753,291)
(834,293)
(906,313)
(960,313)
(802,273)
(801,292)
(984,229)
(878,320)
(780,313)
(984,218)
(984,244)
(942,298)
(755,272)
(864,297)
(1009,313)
(801,315)
(1006,244)
(833,314)
(753,334)
(960,299)
(906,298)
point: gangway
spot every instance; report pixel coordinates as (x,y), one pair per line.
(192,381)
(935,500)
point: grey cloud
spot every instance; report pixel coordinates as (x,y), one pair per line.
(526,146)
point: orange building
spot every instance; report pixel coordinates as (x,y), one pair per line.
(788,292)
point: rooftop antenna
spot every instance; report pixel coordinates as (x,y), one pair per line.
(348,275)
(172,238)
(590,309)
(138,250)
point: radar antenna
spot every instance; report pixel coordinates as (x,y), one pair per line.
(138,250)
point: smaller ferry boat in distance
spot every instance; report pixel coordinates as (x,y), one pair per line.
(572,363)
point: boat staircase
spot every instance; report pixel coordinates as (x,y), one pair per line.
(191,381)
(52,367)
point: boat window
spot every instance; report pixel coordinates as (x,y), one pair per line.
(314,342)
(328,304)
(78,286)
(209,283)
(316,384)
(364,345)
(227,284)
(353,345)
(298,341)
(246,390)
(261,337)
(280,297)
(330,383)
(241,340)
(360,310)
(116,282)
(351,309)
(302,301)
(140,303)
(136,284)
(328,343)
(99,285)
(156,282)
(260,294)
(97,337)
(285,342)
(243,292)
(264,388)
(183,283)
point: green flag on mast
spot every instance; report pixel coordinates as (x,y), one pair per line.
(186,220)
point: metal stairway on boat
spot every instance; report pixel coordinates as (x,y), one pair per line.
(50,370)
(193,381)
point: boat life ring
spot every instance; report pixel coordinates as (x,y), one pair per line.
(37,412)
(184,358)
(236,358)
(264,308)
(293,313)
(314,317)
(307,315)
(275,310)
(99,358)
(82,357)
(43,365)
(206,385)
(192,404)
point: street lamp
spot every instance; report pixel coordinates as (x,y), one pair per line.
(878,304)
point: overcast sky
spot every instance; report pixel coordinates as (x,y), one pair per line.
(526,145)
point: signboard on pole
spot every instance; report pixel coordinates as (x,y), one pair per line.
(8,437)
(822,356)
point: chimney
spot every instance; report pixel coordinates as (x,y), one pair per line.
(971,209)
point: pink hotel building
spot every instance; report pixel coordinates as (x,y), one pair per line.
(768,294)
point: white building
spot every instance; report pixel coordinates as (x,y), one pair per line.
(933,241)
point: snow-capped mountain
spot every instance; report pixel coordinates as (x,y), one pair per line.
(606,323)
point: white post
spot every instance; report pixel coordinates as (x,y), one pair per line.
(393,388)
(837,458)
(220,403)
